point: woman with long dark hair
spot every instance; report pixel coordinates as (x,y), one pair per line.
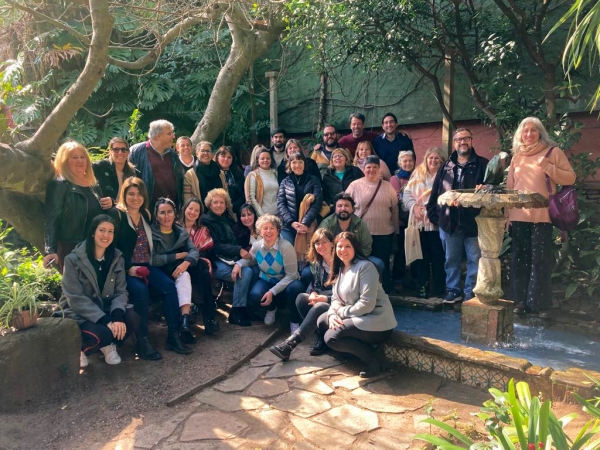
(113,171)
(94,292)
(360,314)
(234,177)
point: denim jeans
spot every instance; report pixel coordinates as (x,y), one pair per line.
(241,286)
(260,288)
(289,235)
(453,248)
(161,284)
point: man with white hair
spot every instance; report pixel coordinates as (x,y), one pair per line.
(159,164)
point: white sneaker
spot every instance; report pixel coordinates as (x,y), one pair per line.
(110,354)
(270,317)
(294,327)
(83,361)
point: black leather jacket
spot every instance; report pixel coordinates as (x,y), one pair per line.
(106,174)
(66,214)
(221,230)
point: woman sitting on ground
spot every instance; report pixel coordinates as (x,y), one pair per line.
(311,291)
(415,198)
(278,267)
(73,199)
(200,236)
(360,314)
(205,176)
(95,294)
(365,149)
(113,171)
(339,175)
(226,251)
(177,257)
(292,194)
(261,184)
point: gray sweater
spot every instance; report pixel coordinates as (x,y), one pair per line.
(358,295)
(82,299)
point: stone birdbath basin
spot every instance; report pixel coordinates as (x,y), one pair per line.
(487,318)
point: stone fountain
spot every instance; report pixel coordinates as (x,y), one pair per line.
(487,318)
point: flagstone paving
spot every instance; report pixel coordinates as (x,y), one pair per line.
(308,403)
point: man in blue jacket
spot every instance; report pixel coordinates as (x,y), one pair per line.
(159,164)
(458,229)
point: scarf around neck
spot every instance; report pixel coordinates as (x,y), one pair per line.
(528,150)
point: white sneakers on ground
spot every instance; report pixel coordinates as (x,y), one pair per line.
(110,354)
(270,317)
(83,361)
(294,327)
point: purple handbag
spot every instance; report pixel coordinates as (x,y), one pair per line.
(563,208)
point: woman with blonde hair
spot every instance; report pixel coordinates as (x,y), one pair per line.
(339,175)
(538,165)
(73,199)
(364,149)
(415,197)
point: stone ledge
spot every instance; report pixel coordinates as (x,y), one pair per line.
(485,369)
(37,362)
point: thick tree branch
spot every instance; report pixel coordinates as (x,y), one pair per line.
(50,131)
(26,214)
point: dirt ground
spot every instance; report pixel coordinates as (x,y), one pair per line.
(108,398)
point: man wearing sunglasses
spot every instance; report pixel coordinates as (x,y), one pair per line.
(458,229)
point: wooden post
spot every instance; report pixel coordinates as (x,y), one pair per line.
(448,103)
(272,76)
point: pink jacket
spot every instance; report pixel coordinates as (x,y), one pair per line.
(526,174)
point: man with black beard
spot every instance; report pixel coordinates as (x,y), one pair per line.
(322,153)
(344,219)
(278,139)
(458,229)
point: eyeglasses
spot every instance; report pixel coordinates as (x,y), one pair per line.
(463,139)
(119,149)
(338,156)
(204,151)
(329,134)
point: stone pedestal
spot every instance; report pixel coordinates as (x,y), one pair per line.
(486,323)
(486,319)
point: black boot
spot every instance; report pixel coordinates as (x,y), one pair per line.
(373,368)
(174,344)
(320,346)
(186,331)
(237,316)
(144,349)
(284,349)
(211,327)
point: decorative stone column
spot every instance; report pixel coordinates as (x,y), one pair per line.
(487,318)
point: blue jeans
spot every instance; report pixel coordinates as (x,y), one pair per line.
(260,288)
(161,284)
(378,263)
(289,235)
(241,286)
(453,248)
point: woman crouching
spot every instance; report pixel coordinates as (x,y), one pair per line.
(95,292)
(360,314)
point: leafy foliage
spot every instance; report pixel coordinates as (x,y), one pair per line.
(515,419)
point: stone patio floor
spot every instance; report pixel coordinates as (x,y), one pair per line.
(306,403)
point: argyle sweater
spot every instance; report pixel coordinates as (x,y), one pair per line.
(277,265)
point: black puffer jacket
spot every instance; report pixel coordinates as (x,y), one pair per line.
(453,218)
(291,193)
(332,185)
(67,215)
(221,230)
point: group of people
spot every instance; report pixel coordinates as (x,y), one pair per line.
(315,233)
